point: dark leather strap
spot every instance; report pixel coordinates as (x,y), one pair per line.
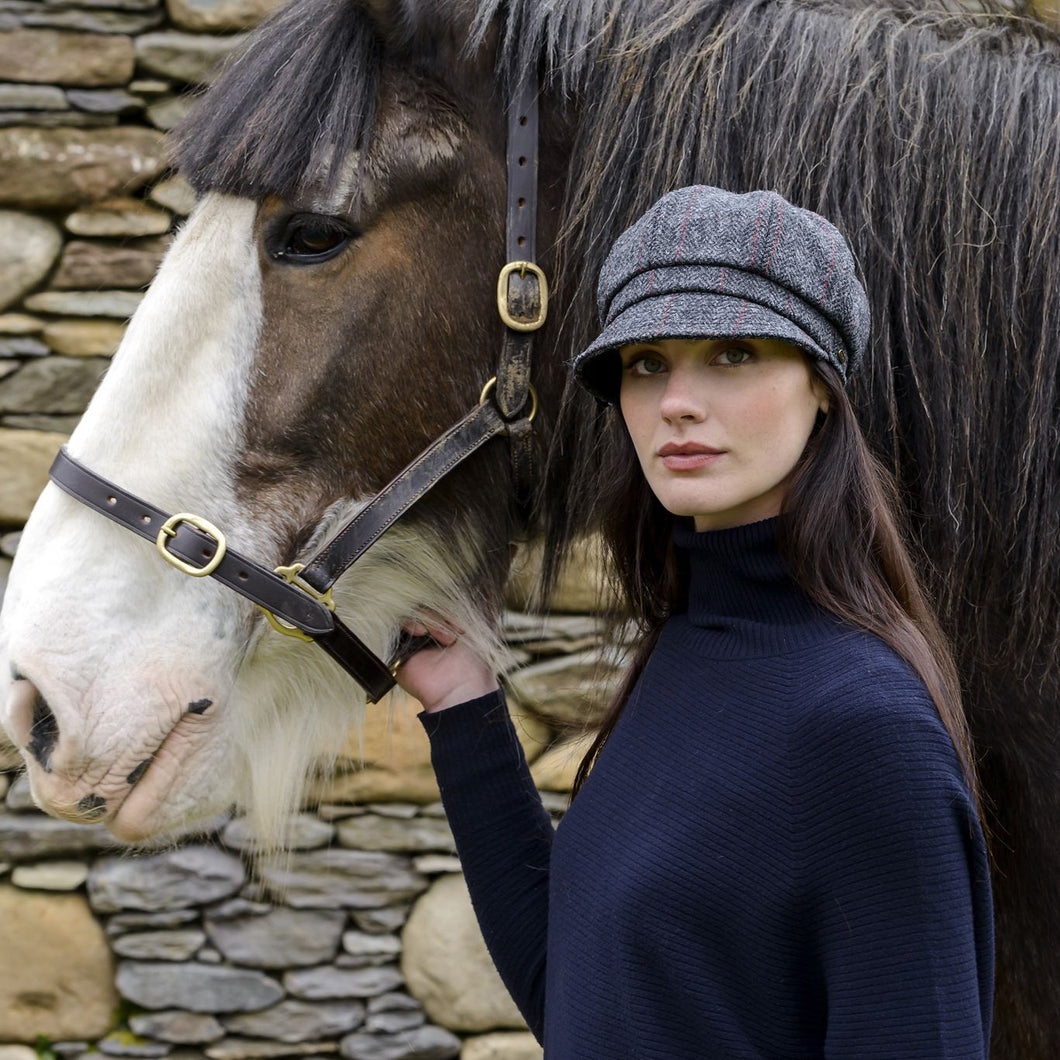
(524,294)
(252,581)
(472,432)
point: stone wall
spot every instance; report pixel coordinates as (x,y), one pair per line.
(362,943)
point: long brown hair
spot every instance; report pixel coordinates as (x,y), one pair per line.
(840,534)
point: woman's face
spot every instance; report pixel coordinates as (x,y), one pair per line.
(719,424)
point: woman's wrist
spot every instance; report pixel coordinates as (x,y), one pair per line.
(462,694)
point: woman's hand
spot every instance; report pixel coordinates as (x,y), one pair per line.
(445,675)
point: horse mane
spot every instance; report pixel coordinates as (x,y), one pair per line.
(929,135)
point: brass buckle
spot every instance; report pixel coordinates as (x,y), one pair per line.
(491,385)
(522,267)
(290,575)
(169,529)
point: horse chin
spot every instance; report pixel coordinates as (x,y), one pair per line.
(182,787)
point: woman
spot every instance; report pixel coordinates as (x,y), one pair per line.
(777,851)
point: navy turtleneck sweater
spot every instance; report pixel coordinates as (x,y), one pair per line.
(775,855)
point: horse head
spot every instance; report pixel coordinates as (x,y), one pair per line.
(327,311)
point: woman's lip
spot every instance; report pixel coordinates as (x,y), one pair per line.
(689,461)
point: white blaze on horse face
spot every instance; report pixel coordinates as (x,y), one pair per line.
(125,650)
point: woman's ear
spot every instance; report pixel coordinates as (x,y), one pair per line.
(820,391)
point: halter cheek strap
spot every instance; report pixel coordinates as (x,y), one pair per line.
(297,599)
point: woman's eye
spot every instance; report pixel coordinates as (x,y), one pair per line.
(733,355)
(307,239)
(646,364)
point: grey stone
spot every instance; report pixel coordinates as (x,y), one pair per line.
(172,880)
(282,938)
(118,218)
(174,194)
(87,265)
(432,864)
(299,1021)
(119,304)
(336,812)
(403,810)
(44,56)
(52,385)
(104,100)
(362,944)
(219,15)
(181,1028)
(149,86)
(249,1049)
(423,1043)
(233,908)
(348,960)
(93,21)
(53,169)
(186,57)
(159,945)
(30,422)
(85,338)
(418,835)
(394,1002)
(8,546)
(20,797)
(20,324)
(56,119)
(125,922)
(169,112)
(50,876)
(7,367)
(32,97)
(196,987)
(568,688)
(381,920)
(5,573)
(328,983)
(28,248)
(392,1022)
(433,809)
(23,346)
(208,955)
(301,832)
(26,837)
(69,1048)
(335,879)
(122,1043)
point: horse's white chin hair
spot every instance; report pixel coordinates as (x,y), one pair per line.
(293,707)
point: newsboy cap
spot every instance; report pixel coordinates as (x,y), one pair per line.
(708,263)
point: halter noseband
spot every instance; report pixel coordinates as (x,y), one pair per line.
(297,599)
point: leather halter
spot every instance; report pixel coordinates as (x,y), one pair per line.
(297,599)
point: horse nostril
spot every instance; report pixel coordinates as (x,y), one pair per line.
(92,806)
(43,732)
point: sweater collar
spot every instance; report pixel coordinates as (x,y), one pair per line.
(742,594)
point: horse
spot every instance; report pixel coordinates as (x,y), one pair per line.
(328,310)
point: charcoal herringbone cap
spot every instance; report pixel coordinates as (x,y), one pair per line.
(708,263)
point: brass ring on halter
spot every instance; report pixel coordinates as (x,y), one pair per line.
(491,385)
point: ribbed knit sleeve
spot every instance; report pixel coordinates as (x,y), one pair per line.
(898,877)
(503,837)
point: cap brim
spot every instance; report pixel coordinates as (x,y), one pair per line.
(681,315)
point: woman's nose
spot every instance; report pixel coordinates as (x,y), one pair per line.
(682,400)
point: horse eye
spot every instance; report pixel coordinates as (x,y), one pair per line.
(307,239)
